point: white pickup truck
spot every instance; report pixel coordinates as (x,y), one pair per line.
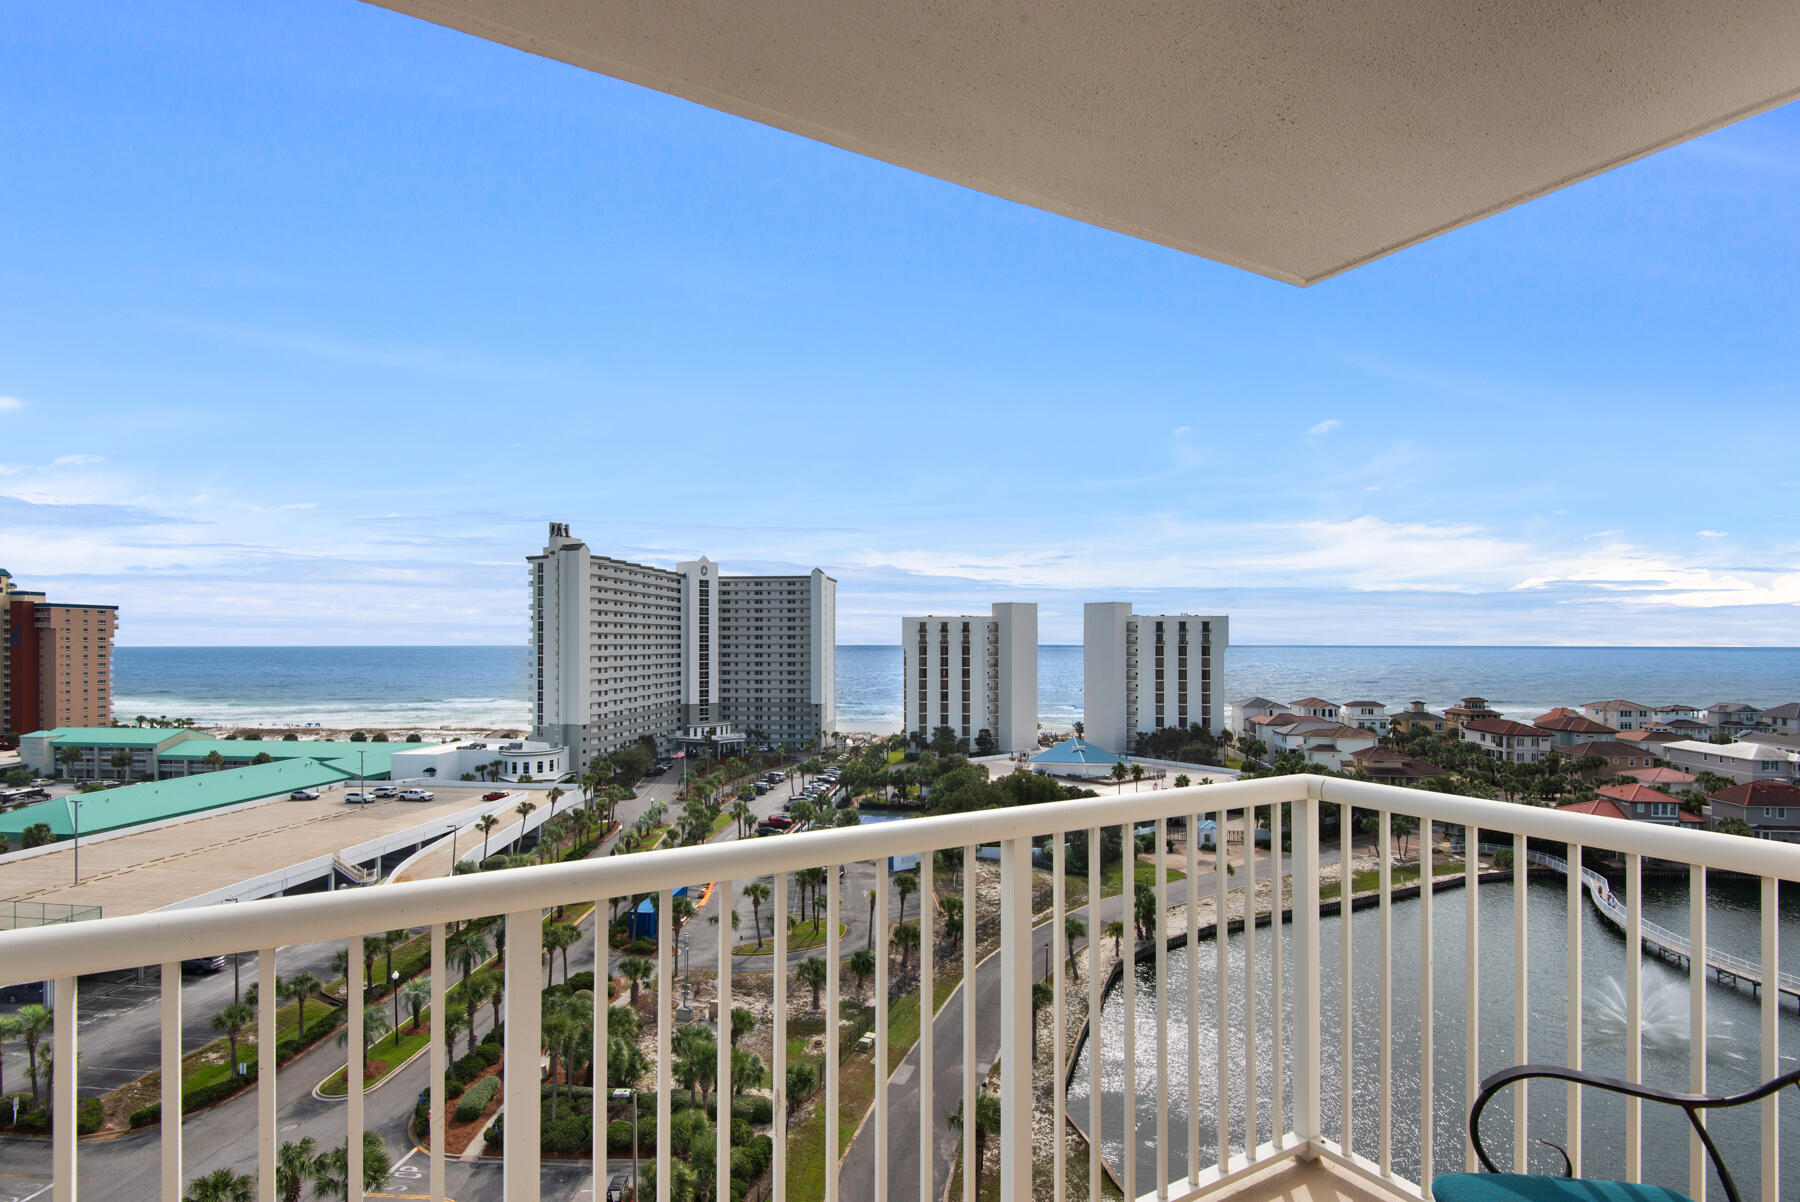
(415,795)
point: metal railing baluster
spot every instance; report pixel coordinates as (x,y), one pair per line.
(1634,1013)
(1521,1004)
(170,1086)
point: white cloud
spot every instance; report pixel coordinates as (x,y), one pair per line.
(1326,426)
(10,404)
(1710,533)
(75,460)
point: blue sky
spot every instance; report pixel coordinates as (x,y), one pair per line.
(312,316)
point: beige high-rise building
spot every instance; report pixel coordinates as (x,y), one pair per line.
(55,661)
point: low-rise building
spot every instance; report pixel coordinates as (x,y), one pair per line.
(1680,728)
(1743,761)
(499,759)
(1252,707)
(1675,711)
(1618,714)
(1314,707)
(1370,715)
(1642,803)
(1386,765)
(1319,741)
(1733,717)
(1669,780)
(1770,808)
(1504,739)
(1620,756)
(1566,727)
(1783,719)
(1472,709)
(1416,717)
(128,753)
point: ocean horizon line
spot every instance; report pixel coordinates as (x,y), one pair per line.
(896,646)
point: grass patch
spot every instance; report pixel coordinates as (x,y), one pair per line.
(723,821)
(903,1018)
(1362,882)
(803,936)
(806,1140)
(393,1048)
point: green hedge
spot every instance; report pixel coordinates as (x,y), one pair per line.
(753,1108)
(475,1099)
(89,1117)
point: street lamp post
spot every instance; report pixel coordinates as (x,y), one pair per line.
(394,984)
(75,818)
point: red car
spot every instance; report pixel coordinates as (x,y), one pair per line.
(778,821)
(496,795)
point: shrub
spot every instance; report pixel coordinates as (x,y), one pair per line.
(618,1136)
(496,1133)
(743,1165)
(452,1087)
(581,981)
(569,1133)
(489,1054)
(475,1099)
(146,1116)
(753,1108)
(741,1133)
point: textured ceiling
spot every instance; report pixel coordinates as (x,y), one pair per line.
(1297,140)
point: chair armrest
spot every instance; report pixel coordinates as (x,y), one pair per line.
(1692,1104)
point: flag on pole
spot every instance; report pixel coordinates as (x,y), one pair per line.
(679,755)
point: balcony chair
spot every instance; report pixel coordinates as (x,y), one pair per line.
(1495,1186)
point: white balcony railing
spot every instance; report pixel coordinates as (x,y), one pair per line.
(1281,1000)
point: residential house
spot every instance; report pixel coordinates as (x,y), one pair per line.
(1370,715)
(1319,741)
(1471,709)
(1672,712)
(1504,739)
(1392,767)
(1620,756)
(1620,715)
(1315,707)
(1566,727)
(1741,760)
(1669,780)
(1416,717)
(1642,803)
(1783,719)
(1252,707)
(1733,717)
(1680,728)
(1771,808)
(1649,806)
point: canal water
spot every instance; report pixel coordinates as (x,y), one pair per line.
(1733,1038)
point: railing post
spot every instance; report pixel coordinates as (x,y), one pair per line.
(523,1044)
(1015,1021)
(1306,968)
(62,1094)
(172,1180)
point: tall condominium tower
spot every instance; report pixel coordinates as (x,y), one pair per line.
(973,673)
(1142,672)
(55,661)
(624,650)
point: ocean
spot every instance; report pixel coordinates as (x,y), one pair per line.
(470,687)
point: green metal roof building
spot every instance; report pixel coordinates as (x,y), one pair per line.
(134,805)
(161,754)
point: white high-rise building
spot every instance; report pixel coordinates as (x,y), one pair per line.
(972,673)
(625,650)
(1144,672)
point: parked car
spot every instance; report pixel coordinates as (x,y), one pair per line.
(25,991)
(304,795)
(357,799)
(416,795)
(204,964)
(494,795)
(615,1191)
(778,821)
(761,787)
(383,791)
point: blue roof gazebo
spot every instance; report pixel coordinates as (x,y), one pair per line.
(1076,757)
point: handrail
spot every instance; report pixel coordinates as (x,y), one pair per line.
(126,941)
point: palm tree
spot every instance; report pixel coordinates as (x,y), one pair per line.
(557,938)
(637,970)
(1120,771)
(390,941)
(485,826)
(743,815)
(906,937)
(987,1122)
(1137,776)
(232,1020)
(468,947)
(331,1172)
(294,1167)
(375,1025)
(524,810)
(121,760)
(221,1185)
(553,796)
(905,883)
(300,986)
(758,893)
(1115,931)
(862,966)
(416,995)
(872,896)
(491,990)
(812,974)
(69,757)
(1073,929)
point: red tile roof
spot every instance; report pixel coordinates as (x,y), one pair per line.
(1612,749)
(1573,723)
(1600,806)
(1760,793)
(1314,702)
(1662,776)
(1637,795)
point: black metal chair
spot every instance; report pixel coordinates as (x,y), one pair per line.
(1495,1186)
